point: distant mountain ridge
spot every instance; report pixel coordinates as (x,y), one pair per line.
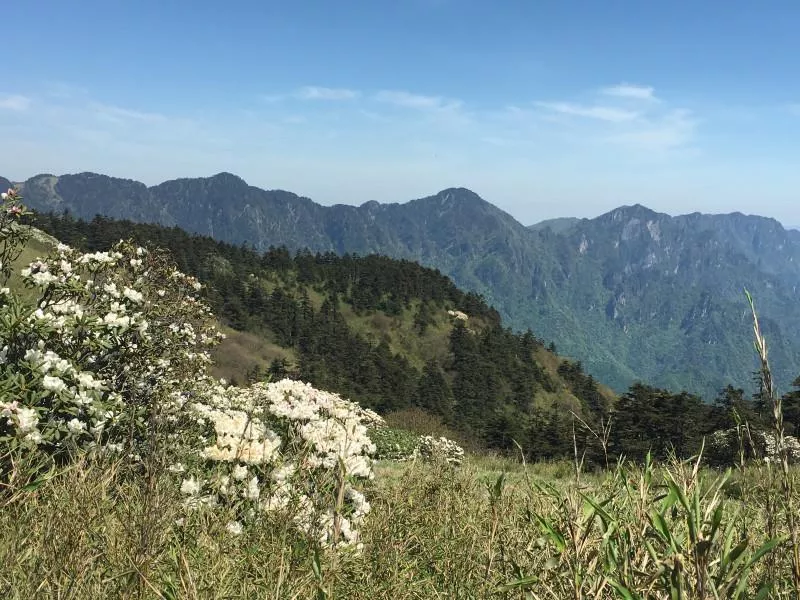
(633,293)
(557,225)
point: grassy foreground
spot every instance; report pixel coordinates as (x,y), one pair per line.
(490,528)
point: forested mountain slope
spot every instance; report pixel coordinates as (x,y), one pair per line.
(633,294)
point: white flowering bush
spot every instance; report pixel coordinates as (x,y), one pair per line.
(403,445)
(723,446)
(440,448)
(108,338)
(282,447)
(458,315)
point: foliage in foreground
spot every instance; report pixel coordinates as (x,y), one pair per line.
(434,531)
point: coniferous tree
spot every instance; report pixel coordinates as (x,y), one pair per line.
(791,408)
(433,392)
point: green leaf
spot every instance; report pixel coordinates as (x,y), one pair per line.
(524,583)
(623,591)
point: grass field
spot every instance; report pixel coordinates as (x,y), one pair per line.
(491,528)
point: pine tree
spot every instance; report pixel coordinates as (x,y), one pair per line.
(433,393)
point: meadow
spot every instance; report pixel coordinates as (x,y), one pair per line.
(490,528)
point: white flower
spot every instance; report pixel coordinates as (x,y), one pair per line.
(34,436)
(234,528)
(43,278)
(87,381)
(111,289)
(253,491)
(282,474)
(190,487)
(239,472)
(76,426)
(27,419)
(132,295)
(53,384)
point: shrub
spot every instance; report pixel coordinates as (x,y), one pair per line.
(92,360)
(394,444)
(281,447)
(440,449)
(402,445)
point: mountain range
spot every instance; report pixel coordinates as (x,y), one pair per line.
(633,294)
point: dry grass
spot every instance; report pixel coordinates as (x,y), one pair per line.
(435,532)
(241,351)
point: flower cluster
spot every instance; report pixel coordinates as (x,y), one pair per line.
(279,447)
(402,445)
(94,345)
(723,446)
(458,315)
(440,448)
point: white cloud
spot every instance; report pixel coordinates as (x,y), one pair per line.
(416,101)
(118,114)
(627,90)
(324,93)
(14,102)
(603,113)
(651,125)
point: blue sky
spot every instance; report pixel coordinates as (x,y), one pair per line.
(544,108)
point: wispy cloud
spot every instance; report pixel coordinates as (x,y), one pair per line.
(405,99)
(627,90)
(14,102)
(602,113)
(649,124)
(324,93)
(118,114)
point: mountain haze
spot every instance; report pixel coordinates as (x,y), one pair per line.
(634,294)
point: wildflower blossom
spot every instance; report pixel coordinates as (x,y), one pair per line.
(76,426)
(234,528)
(190,487)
